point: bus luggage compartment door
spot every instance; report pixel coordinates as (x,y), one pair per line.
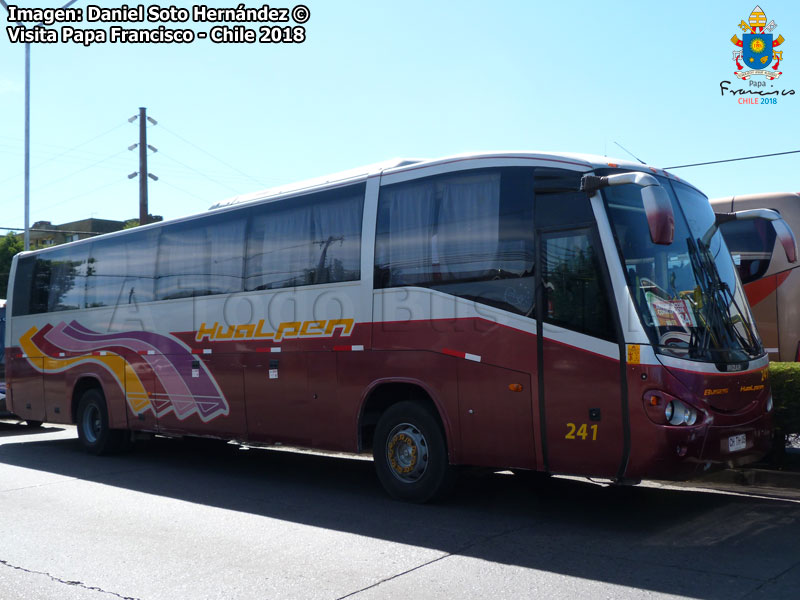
(495,416)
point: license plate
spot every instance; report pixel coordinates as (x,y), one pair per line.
(737,442)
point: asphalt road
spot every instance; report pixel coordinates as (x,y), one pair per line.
(180,520)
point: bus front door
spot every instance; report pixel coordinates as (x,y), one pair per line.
(580,381)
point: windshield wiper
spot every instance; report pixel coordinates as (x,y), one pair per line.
(750,344)
(716,293)
(700,340)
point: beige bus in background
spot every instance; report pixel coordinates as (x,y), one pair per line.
(771,283)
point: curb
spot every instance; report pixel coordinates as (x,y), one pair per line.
(754,480)
(754,477)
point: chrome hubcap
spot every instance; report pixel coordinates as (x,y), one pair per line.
(407,452)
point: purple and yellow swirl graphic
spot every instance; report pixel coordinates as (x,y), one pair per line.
(178,382)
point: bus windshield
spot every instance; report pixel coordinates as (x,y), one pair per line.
(687,294)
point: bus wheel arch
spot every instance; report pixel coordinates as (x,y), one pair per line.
(381,395)
(409,442)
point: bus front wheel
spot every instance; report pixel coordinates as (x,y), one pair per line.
(410,454)
(93,431)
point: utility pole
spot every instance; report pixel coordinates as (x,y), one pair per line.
(142,166)
(142,172)
(27,236)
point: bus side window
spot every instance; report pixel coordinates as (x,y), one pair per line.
(122,270)
(59,280)
(574,293)
(336,242)
(468,234)
(201,257)
(753,243)
(306,240)
(26,300)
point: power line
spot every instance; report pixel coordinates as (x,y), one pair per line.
(180,189)
(68,150)
(714,162)
(105,185)
(165,155)
(49,183)
(214,157)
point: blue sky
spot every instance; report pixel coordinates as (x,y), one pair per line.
(377,80)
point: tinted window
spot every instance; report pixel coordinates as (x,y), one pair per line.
(574,294)
(23,283)
(68,279)
(559,200)
(468,234)
(307,240)
(201,257)
(58,281)
(751,244)
(122,269)
(302,241)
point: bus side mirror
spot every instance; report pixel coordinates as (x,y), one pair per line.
(786,238)
(782,230)
(660,218)
(657,205)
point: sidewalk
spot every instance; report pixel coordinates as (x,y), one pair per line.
(758,479)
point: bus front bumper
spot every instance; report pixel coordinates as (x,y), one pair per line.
(681,453)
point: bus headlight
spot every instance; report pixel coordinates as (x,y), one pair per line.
(677,413)
(665,409)
(769,403)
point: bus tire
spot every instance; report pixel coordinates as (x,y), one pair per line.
(410,454)
(93,431)
(32,424)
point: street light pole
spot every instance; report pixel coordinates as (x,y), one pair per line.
(27,236)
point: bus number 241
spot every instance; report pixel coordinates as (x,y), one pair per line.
(574,432)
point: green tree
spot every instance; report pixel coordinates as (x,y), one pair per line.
(10,245)
(131,223)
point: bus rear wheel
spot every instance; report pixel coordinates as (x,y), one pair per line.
(94,433)
(410,454)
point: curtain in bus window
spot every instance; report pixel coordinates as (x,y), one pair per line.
(405,232)
(122,269)
(337,239)
(280,250)
(467,234)
(485,238)
(200,257)
(67,284)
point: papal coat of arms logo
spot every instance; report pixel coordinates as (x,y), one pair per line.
(757,48)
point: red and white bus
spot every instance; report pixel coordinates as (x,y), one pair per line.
(772,283)
(551,312)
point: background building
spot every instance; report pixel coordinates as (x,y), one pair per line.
(44,233)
